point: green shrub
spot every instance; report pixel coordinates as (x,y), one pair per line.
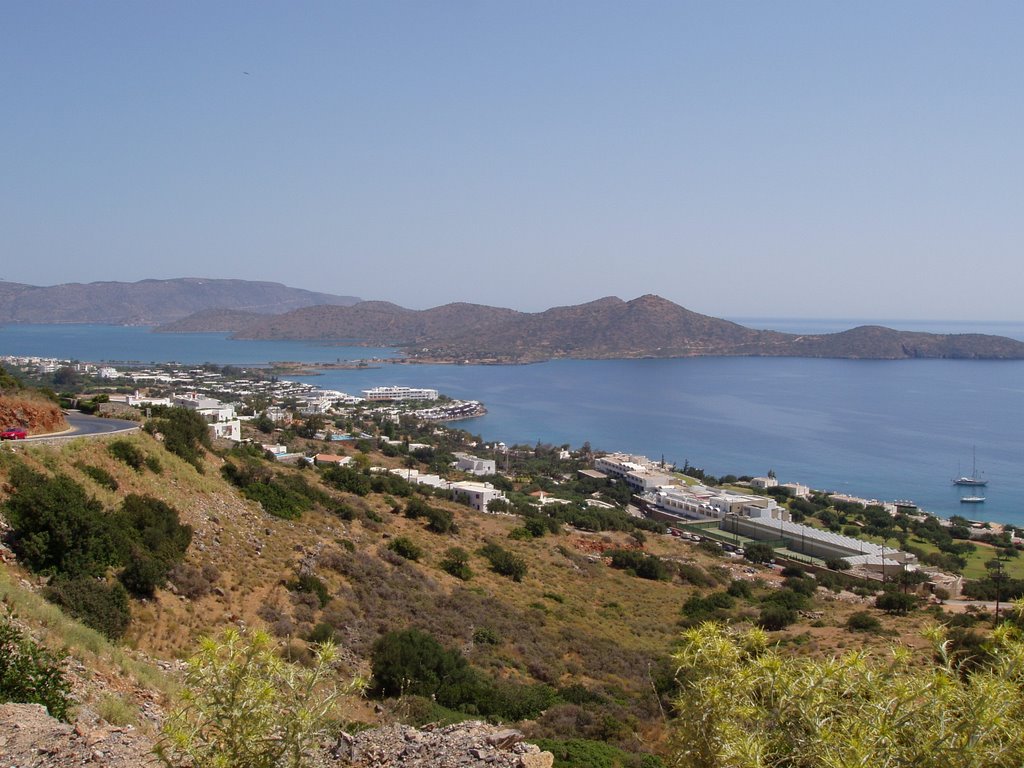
(143,574)
(486,636)
(713,607)
(57,528)
(413,662)
(586,753)
(348,479)
(158,542)
(862,621)
(504,562)
(837,564)
(283,495)
(99,605)
(128,453)
(156,526)
(776,617)
(99,475)
(310,584)
(29,674)
(185,433)
(643,565)
(322,633)
(456,563)
(740,588)
(405,547)
(787,598)
(441,521)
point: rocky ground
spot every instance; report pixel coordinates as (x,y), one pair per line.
(30,738)
(34,413)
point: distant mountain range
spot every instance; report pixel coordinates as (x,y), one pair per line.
(150,302)
(648,326)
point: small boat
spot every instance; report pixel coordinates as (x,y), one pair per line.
(972,479)
(972,499)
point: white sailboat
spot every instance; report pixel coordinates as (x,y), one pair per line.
(972,479)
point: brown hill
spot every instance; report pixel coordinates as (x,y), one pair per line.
(150,302)
(377,322)
(648,326)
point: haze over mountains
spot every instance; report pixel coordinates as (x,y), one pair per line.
(149,302)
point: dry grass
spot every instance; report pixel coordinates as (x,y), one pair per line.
(572,619)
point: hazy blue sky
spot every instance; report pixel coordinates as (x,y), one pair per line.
(860,159)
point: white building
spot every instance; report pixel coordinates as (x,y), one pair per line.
(697,502)
(378,394)
(224,423)
(474,465)
(638,472)
(144,400)
(796,490)
(476,495)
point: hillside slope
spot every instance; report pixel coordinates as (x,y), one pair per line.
(648,326)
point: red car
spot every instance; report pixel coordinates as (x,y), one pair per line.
(14,433)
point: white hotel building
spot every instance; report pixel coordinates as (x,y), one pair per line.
(383,394)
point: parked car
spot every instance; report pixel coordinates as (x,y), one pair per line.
(13,433)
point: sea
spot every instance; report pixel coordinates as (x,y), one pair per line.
(877,429)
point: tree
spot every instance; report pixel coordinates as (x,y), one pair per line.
(896,603)
(245,707)
(758,552)
(744,704)
(497,505)
(263,423)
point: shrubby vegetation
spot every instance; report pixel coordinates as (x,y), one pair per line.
(456,563)
(245,707)
(29,674)
(744,705)
(96,603)
(284,495)
(185,433)
(411,662)
(504,562)
(60,531)
(99,475)
(128,452)
(406,548)
(586,753)
(643,565)
(348,479)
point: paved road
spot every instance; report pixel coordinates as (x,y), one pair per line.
(82,426)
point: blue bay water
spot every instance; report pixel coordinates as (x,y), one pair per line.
(882,429)
(106,343)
